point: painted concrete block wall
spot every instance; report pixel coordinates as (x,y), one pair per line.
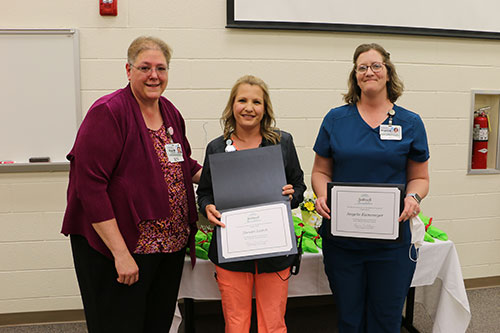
(307,73)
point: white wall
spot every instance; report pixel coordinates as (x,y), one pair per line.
(307,72)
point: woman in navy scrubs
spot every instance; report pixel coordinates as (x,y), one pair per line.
(370,280)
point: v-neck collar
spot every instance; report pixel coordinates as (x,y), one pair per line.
(375,129)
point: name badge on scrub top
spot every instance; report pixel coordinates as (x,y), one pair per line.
(390,132)
(174,152)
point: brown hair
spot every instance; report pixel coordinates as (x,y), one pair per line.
(394,85)
(268,128)
(144,43)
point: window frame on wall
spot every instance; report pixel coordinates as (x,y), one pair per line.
(482,31)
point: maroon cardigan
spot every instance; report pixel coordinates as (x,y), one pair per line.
(115,172)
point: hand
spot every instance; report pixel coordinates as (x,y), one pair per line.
(411,209)
(322,207)
(288,190)
(213,215)
(127,269)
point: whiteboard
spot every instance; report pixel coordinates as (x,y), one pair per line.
(417,17)
(39,94)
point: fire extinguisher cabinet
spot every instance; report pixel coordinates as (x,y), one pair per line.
(484,153)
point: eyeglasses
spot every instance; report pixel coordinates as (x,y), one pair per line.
(160,70)
(376,67)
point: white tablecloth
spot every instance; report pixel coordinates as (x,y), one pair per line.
(444,299)
(443,291)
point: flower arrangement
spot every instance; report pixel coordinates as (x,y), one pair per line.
(308,204)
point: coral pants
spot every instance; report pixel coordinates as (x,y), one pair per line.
(271,294)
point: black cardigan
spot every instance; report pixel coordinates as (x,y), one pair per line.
(294,176)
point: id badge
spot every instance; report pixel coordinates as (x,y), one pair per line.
(390,132)
(174,152)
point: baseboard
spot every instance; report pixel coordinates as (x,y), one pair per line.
(26,318)
(484,282)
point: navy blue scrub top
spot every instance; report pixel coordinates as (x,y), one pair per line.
(359,155)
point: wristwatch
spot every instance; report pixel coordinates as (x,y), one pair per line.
(415,196)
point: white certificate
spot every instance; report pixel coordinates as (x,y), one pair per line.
(365,212)
(254,231)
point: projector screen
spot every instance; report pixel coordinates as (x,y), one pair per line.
(452,18)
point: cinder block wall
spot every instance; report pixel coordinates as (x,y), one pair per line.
(307,73)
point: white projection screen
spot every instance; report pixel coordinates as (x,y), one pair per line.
(462,18)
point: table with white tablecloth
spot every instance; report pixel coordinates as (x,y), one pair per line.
(438,278)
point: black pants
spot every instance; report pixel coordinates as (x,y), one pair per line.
(146,306)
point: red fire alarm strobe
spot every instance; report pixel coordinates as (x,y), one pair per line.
(108,7)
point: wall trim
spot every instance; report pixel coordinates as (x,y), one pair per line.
(484,282)
(26,318)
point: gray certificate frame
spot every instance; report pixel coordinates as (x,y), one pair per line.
(250,178)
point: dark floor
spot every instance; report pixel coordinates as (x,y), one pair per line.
(309,315)
(305,314)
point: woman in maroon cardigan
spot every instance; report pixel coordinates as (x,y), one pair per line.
(131,211)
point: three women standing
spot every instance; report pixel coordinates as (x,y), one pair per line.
(131,210)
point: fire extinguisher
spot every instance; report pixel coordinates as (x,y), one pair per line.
(480,139)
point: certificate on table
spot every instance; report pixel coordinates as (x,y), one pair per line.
(367,211)
(247,188)
(258,230)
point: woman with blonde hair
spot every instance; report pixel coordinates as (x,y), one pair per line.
(248,122)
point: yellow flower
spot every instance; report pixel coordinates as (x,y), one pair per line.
(309,206)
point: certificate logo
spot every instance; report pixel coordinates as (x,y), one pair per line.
(365,199)
(253,217)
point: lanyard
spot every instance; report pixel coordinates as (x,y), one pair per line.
(390,131)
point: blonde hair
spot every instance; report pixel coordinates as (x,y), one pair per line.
(268,128)
(394,85)
(144,43)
